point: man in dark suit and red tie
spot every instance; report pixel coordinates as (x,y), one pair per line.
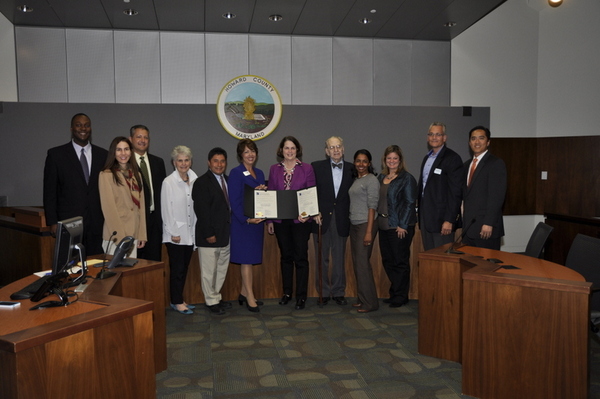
(484,190)
(440,190)
(334,178)
(152,169)
(71,183)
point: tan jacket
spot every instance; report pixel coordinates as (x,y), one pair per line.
(120,213)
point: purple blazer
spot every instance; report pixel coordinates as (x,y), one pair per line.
(304,177)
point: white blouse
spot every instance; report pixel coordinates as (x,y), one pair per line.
(179,219)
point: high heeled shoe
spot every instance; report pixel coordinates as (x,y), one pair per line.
(191,307)
(184,311)
(242,299)
(254,309)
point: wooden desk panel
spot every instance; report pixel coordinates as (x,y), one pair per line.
(102,346)
(521,332)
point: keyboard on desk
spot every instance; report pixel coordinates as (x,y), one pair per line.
(28,291)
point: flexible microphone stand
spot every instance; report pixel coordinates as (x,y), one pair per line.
(102,274)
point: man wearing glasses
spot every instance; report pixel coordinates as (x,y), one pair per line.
(334,178)
(440,188)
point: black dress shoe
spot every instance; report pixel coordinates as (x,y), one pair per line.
(387,300)
(285,299)
(225,305)
(300,303)
(323,301)
(215,309)
(340,300)
(398,304)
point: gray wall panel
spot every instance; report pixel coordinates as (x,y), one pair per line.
(430,73)
(137,67)
(197,126)
(91,66)
(271,58)
(352,71)
(312,70)
(392,72)
(226,58)
(182,68)
(41,64)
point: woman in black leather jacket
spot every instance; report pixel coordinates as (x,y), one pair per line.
(397,218)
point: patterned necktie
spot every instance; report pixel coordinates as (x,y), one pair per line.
(144,170)
(472,171)
(84,166)
(224,187)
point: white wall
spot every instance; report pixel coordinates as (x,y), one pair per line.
(568,99)
(495,64)
(537,68)
(8,64)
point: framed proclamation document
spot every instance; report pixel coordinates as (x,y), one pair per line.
(280,204)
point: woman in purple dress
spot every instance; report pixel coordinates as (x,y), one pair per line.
(246,233)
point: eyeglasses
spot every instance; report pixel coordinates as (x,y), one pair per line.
(435,134)
(335,147)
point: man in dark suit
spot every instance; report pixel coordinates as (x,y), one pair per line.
(334,178)
(440,190)
(71,183)
(484,189)
(211,205)
(153,173)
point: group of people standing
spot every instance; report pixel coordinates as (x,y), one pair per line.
(125,192)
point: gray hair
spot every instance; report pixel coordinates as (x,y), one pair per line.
(181,149)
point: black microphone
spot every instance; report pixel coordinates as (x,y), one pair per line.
(102,274)
(451,250)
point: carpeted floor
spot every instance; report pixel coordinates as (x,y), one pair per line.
(329,352)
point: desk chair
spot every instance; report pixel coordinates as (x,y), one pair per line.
(537,241)
(584,257)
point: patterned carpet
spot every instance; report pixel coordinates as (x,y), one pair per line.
(316,353)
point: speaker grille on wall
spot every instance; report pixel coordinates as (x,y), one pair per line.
(467,111)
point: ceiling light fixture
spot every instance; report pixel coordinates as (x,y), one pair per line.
(25,8)
(130,12)
(373,11)
(275,17)
(229,15)
(364,21)
(450,24)
(555,3)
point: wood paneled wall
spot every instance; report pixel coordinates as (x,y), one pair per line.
(573,184)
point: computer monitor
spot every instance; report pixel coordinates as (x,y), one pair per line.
(68,249)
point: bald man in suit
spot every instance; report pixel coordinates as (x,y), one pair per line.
(71,183)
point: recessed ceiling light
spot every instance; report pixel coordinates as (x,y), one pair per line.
(229,15)
(450,24)
(373,11)
(130,12)
(364,21)
(25,8)
(275,17)
(555,3)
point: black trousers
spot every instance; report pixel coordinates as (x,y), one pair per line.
(153,248)
(395,256)
(292,239)
(179,260)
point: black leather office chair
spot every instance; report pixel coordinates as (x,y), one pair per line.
(584,257)
(537,241)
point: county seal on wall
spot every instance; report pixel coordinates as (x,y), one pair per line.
(249,107)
